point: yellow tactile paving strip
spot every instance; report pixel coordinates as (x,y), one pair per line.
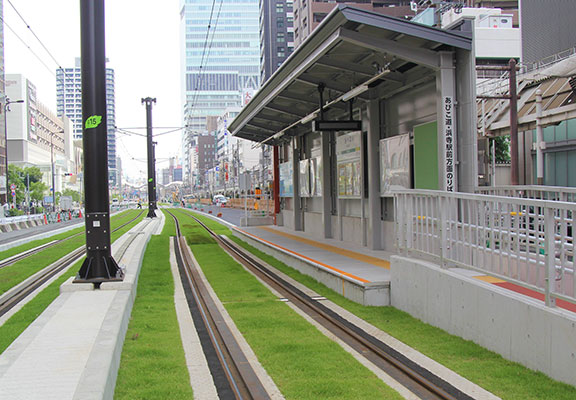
(307,258)
(343,252)
(489,279)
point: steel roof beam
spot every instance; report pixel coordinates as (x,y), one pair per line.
(285,110)
(420,56)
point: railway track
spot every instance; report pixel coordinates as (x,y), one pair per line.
(417,379)
(18,293)
(233,375)
(25,254)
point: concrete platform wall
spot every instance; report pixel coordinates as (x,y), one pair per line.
(512,325)
(367,294)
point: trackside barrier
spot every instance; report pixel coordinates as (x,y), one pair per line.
(555,193)
(525,241)
(21,218)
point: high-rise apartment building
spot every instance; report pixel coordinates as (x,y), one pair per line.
(309,13)
(69,103)
(220,57)
(276,35)
(3,155)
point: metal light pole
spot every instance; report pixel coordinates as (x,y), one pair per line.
(52,164)
(99,265)
(150,147)
(6,109)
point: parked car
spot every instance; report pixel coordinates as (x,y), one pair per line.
(219,200)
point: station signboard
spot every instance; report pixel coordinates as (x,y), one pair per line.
(349,165)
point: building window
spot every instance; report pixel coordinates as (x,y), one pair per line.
(319,17)
(281,51)
(280,37)
(280,22)
(280,7)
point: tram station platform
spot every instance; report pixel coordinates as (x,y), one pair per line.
(357,273)
(72,350)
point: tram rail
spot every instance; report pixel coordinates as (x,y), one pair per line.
(234,377)
(414,377)
(14,296)
(25,254)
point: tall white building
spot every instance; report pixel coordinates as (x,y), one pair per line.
(36,136)
(219,65)
(69,103)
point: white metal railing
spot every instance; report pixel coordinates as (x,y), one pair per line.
(525,241)
(554,193)
(20,218)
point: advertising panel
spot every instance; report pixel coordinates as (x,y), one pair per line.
(316,176)
(304,178)
(286,186)
(349,165)
(394,164)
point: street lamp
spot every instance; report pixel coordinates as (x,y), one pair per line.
(52,163)
(6,109)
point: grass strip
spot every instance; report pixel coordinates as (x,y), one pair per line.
(16,324)
(21,270)
(303,362)
(153,365)
(504,378)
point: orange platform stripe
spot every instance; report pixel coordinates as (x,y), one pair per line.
(343,252)
(308,258)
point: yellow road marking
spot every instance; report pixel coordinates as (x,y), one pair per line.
(343,252)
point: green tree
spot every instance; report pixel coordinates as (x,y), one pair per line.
(72,193)
(502,149)
(21,176)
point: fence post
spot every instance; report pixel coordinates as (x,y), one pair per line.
(550,265)
(442,215)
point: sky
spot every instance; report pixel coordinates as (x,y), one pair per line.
(142,45)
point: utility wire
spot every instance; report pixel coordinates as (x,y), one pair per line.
(28,47)
(36,36)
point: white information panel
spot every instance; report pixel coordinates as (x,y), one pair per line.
(349,165)
(394,164)
(316,176)
(304,178)
(286,184)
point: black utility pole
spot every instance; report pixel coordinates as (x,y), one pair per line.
(151,162)
(99,265)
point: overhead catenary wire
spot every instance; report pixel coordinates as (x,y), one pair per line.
(38,39)
(28,47)
(206,53)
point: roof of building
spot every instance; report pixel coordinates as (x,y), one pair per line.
(351,48)
(557,84)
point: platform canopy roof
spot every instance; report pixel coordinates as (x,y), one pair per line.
(351,48)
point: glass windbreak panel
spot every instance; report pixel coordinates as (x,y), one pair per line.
(561,131)
(562,168)
(548,134)
(572,168)
(549,166)
(571,129)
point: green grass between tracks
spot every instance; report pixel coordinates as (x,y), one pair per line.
(19,271)
(14,326)
(30,245)
(504,378)
(303,362)
(153,364)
